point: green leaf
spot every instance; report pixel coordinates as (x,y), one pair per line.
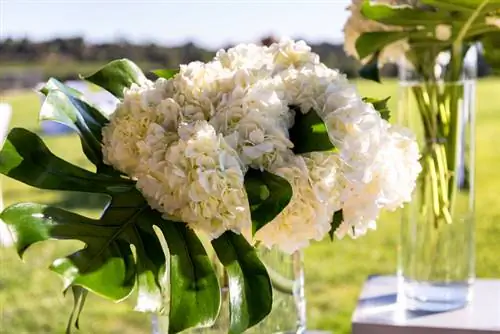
(380,106)
(250,291)
(104,266)
(446,5)
(195,291)
(63,105)
(337,219)
(107,267)
(403,15)
(480,30)
(369,43)
(370,70)
(268,194)
(309,133)
(117,75)
(25,158)
(166,73)
(91,112)
(466,6)
(54,84)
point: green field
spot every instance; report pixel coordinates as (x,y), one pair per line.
(30,295)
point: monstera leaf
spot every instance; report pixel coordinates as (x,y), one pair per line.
(372,42)
(117,75)
(268,194)
(130,245)
(106,266)
(402,15)
(247,274)
(67,106)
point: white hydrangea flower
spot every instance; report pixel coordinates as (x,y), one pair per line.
(354,123)
(339,94)
(255,120)
(303,219)
(288,53)
(401,168)
(264,96)
(306,86)
(198,180)
(128,125)
(325,174)
(387,182)
(260,140)
(249,56)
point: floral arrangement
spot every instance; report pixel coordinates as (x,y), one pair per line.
(260,146)
(431,39)
(417,31)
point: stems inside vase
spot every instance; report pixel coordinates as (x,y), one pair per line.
(437,245)
(439,106)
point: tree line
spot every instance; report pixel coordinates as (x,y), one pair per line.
(52,55)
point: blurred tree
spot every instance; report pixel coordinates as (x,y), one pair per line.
(58,56)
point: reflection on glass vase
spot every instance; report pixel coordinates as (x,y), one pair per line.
(436,255)
(288,314)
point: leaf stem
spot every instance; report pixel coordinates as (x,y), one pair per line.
(457,45)
(468,23)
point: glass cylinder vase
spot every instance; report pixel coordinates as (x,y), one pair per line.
(288,314)
(436,254)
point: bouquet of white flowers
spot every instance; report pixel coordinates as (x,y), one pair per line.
(434,43)
(260,145)
(417,31)
(430,37)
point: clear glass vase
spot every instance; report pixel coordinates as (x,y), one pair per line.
(436,254)
(288,314)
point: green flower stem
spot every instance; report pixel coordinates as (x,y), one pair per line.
(440,152)
(424,114)
(456,92)
(452,139)
(457,46)
(435,186)
(437,117)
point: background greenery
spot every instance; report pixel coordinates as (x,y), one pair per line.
(30,295)
(25,62)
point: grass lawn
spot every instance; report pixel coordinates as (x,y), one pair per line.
(30,295)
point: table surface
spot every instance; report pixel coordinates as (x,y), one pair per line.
(378,311)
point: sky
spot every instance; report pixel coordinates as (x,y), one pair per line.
(211,24)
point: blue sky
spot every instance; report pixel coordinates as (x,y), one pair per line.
(209,23)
